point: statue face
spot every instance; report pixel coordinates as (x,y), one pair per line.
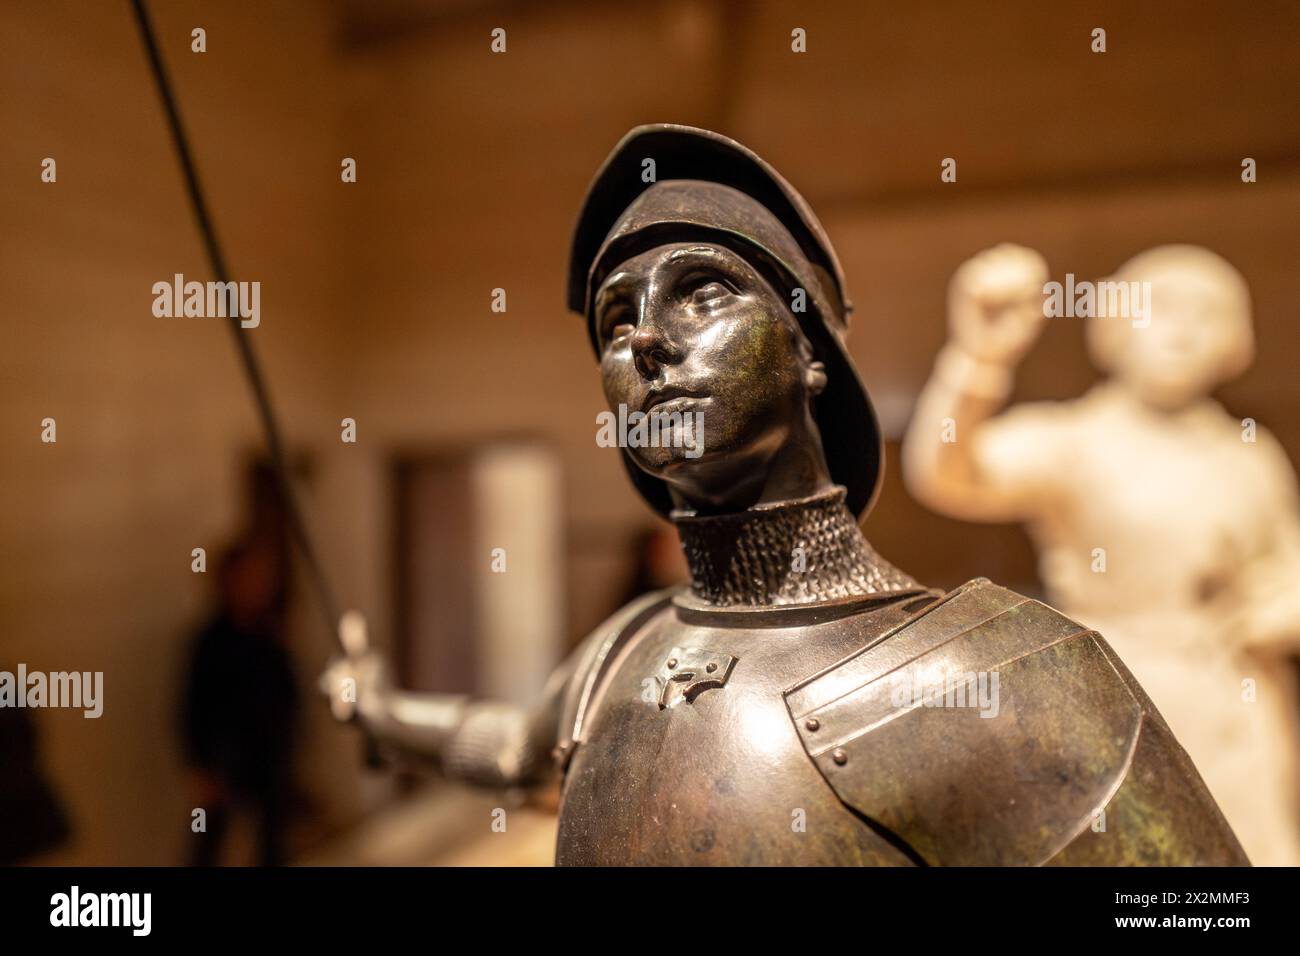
(1180,356)
(692,328)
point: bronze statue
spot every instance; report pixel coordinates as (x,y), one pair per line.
(803,702)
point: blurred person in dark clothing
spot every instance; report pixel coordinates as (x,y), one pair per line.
(32,820)
(240,709)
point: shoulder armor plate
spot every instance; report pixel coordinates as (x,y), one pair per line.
(987,729)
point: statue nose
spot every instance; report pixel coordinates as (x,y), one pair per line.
(650,351)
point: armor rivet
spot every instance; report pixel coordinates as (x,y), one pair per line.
(711,668)
(812,723)
(839,756)
(672,662)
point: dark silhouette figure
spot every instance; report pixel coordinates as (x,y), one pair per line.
(32,819)
(241,707)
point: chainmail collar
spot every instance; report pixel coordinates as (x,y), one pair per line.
(804,551)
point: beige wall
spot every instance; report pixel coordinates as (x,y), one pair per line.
(153,418)
(471,169)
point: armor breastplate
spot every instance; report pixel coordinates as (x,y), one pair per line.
(813,735)
(683,752)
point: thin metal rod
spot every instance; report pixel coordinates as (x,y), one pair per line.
(243,343)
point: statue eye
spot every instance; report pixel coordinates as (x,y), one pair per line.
(616,324)
(710,291)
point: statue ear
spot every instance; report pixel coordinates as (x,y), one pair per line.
(814,378)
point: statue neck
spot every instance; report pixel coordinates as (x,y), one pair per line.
(802,551)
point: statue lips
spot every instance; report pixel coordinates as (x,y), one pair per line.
(668,393)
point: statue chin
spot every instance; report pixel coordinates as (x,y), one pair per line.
(1170,396)
(667,463)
